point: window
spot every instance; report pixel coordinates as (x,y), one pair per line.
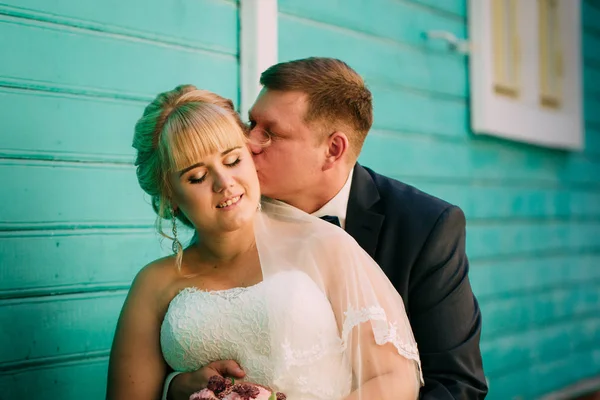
(526,71)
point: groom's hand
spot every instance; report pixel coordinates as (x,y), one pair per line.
(183,385)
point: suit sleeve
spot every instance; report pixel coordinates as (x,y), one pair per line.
(444,314)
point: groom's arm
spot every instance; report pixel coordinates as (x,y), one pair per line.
(445,315)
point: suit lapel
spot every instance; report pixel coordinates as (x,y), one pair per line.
(362,221)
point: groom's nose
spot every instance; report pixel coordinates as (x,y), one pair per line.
(255,148)
(256,141)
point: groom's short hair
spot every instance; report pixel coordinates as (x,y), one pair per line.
(337,95)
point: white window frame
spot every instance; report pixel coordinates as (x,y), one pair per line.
(258,47)
(526,110)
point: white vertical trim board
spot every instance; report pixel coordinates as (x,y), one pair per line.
(258,47)
(524,117)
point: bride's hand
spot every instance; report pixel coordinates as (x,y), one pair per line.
(184,384)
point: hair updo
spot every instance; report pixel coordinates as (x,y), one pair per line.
(175,131)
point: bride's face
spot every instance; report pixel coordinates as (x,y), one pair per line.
(219,193)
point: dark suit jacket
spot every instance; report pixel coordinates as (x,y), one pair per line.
(419,242)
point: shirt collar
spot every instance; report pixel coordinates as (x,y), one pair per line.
(338,204)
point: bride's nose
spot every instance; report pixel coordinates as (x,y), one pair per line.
(222,180)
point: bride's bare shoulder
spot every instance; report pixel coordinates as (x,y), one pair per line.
(155,279)
(157,271)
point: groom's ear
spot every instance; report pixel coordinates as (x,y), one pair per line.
(337,147)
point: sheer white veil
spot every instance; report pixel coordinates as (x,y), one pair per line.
(368,310)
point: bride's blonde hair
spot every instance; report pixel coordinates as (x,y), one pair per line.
(175,131)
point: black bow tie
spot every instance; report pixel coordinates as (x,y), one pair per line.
(331,219)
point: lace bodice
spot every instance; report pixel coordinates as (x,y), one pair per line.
(308,329)
(200,327)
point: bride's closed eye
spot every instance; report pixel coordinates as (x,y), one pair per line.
(232,161)
(194,179)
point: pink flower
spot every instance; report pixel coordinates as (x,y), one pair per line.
(225,389)
(247,391)
(218,384)
(204,394)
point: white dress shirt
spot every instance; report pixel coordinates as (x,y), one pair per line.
(338,205)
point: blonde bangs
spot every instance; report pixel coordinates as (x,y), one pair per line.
(195,130)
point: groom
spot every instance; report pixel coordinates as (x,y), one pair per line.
(308,126)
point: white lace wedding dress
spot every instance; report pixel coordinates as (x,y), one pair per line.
(200,327)
(306,329)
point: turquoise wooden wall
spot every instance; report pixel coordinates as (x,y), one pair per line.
(74,227)
(533,234)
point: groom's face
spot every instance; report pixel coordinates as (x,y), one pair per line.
(287,152)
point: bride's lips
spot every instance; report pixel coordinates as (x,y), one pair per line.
(230,202)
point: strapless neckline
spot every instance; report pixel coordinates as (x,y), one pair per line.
(202,326)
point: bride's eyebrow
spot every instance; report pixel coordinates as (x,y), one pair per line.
(191,167)
(230,150)
(201,164)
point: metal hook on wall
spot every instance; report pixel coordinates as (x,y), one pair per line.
(455,44)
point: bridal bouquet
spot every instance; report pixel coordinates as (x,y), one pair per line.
(220,388)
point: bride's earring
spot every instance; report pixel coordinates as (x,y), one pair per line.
(176,246)
(259,206)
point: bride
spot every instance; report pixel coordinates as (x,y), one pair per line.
(292,299)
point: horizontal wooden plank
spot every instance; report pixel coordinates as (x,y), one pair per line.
(63,117)
(88,379)
(400,21)
(495,280)
(402,109)
(538,346)
(207,23)
(91,194)
(561,373)
(457,7)
(495,200)
(92,62)
(109,195)
(53,326)
(491,240)
(536,309)
(76,260)
(69,381)
(538,379)
(396,109)
(420,155)
(40,261)
(67,127)
(404,65)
